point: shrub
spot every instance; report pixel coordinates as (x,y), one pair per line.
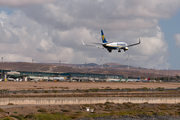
(42,110)
(1,110)
(10,104)
(8,118)
(145,88)
(79,112)
(107,103)
(19,117)
(45,91)
(66,88)
(65,110)
(108,88)
(128,105)
(55,91)
(51,117)
(35,91)
(160,88)
(76,116)
(29,116)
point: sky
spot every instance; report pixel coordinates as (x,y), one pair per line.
(49,31)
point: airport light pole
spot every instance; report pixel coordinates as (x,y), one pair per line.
(168,75)
(85,69)
(8,57)
(32,67)
(128,63)
(2,68)
(60,68)
(59,63)
(154,73)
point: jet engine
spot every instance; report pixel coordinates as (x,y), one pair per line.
(125,48)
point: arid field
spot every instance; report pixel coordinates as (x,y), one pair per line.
(107,110)
(83,85)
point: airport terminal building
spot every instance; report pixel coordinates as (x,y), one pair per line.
(7,75)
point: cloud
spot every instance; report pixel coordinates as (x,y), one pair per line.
(16,3)
(177,38)
(50,32)
(114,15)
(153,51)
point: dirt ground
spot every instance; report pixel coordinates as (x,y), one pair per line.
(82,85)
(80,111)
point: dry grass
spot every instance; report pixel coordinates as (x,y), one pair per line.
(106,109)
(83,85)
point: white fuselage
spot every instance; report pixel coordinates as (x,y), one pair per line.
(115,45)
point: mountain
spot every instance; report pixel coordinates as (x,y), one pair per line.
(108,68)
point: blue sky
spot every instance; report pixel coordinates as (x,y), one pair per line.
(53,30)
(7,9)
(170,28)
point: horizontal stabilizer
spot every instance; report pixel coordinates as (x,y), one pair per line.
(92,45)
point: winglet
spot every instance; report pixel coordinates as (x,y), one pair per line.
(83,42)
(139,40)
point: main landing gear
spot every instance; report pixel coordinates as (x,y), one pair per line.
(109,50)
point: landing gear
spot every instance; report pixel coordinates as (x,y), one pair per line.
(109,50)
(119,50)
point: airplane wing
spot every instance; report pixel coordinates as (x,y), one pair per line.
(92,45)
(130,45)
(134,44)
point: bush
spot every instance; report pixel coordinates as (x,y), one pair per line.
(145,102)
(108,88)
(1,110)
(42,110)
(19,117)
(29,116)
(128,105)
(35,91)
(65,110)
(145,88)
(8,118)
(51,117)
(55,91)
(10,104)
(45,91)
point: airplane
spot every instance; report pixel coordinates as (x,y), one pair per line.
(112,45)
(146,80)
(134,80)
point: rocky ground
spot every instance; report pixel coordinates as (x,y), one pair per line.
(138,117)
(106,111)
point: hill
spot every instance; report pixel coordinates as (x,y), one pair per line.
(108,68)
